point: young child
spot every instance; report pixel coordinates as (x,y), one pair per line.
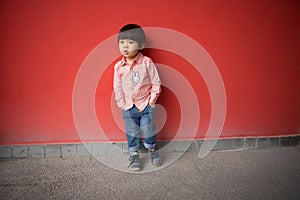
(137,87)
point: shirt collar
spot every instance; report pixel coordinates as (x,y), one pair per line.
(138,59)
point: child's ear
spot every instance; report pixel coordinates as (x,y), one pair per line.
(142,46)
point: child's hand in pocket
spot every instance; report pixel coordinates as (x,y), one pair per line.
(152,104)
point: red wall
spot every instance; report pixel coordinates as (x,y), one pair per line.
(254,44)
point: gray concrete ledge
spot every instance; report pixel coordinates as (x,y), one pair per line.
(100,149)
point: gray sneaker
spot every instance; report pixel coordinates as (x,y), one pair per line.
(135,164)
(155,158)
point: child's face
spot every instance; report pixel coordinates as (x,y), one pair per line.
(128,48)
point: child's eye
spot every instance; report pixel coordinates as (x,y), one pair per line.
(131,42)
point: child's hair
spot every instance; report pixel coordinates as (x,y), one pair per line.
(132,32)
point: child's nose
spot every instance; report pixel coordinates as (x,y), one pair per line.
(125,44)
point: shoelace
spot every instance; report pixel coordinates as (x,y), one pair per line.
(134,158)
(154,154)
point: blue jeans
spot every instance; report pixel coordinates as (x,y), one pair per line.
(139,124)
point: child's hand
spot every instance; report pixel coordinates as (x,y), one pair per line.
(152,104)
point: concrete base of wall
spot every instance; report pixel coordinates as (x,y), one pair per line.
(100,149)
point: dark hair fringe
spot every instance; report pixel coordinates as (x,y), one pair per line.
(132,32)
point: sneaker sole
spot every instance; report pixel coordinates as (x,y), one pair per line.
(135,169)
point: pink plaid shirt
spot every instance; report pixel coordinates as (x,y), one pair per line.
(136,84)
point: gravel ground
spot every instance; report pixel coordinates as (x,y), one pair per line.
(248,174)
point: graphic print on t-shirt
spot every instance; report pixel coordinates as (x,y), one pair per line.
(135,77)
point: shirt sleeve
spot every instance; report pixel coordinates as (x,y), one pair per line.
(119,94)
(155,82)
